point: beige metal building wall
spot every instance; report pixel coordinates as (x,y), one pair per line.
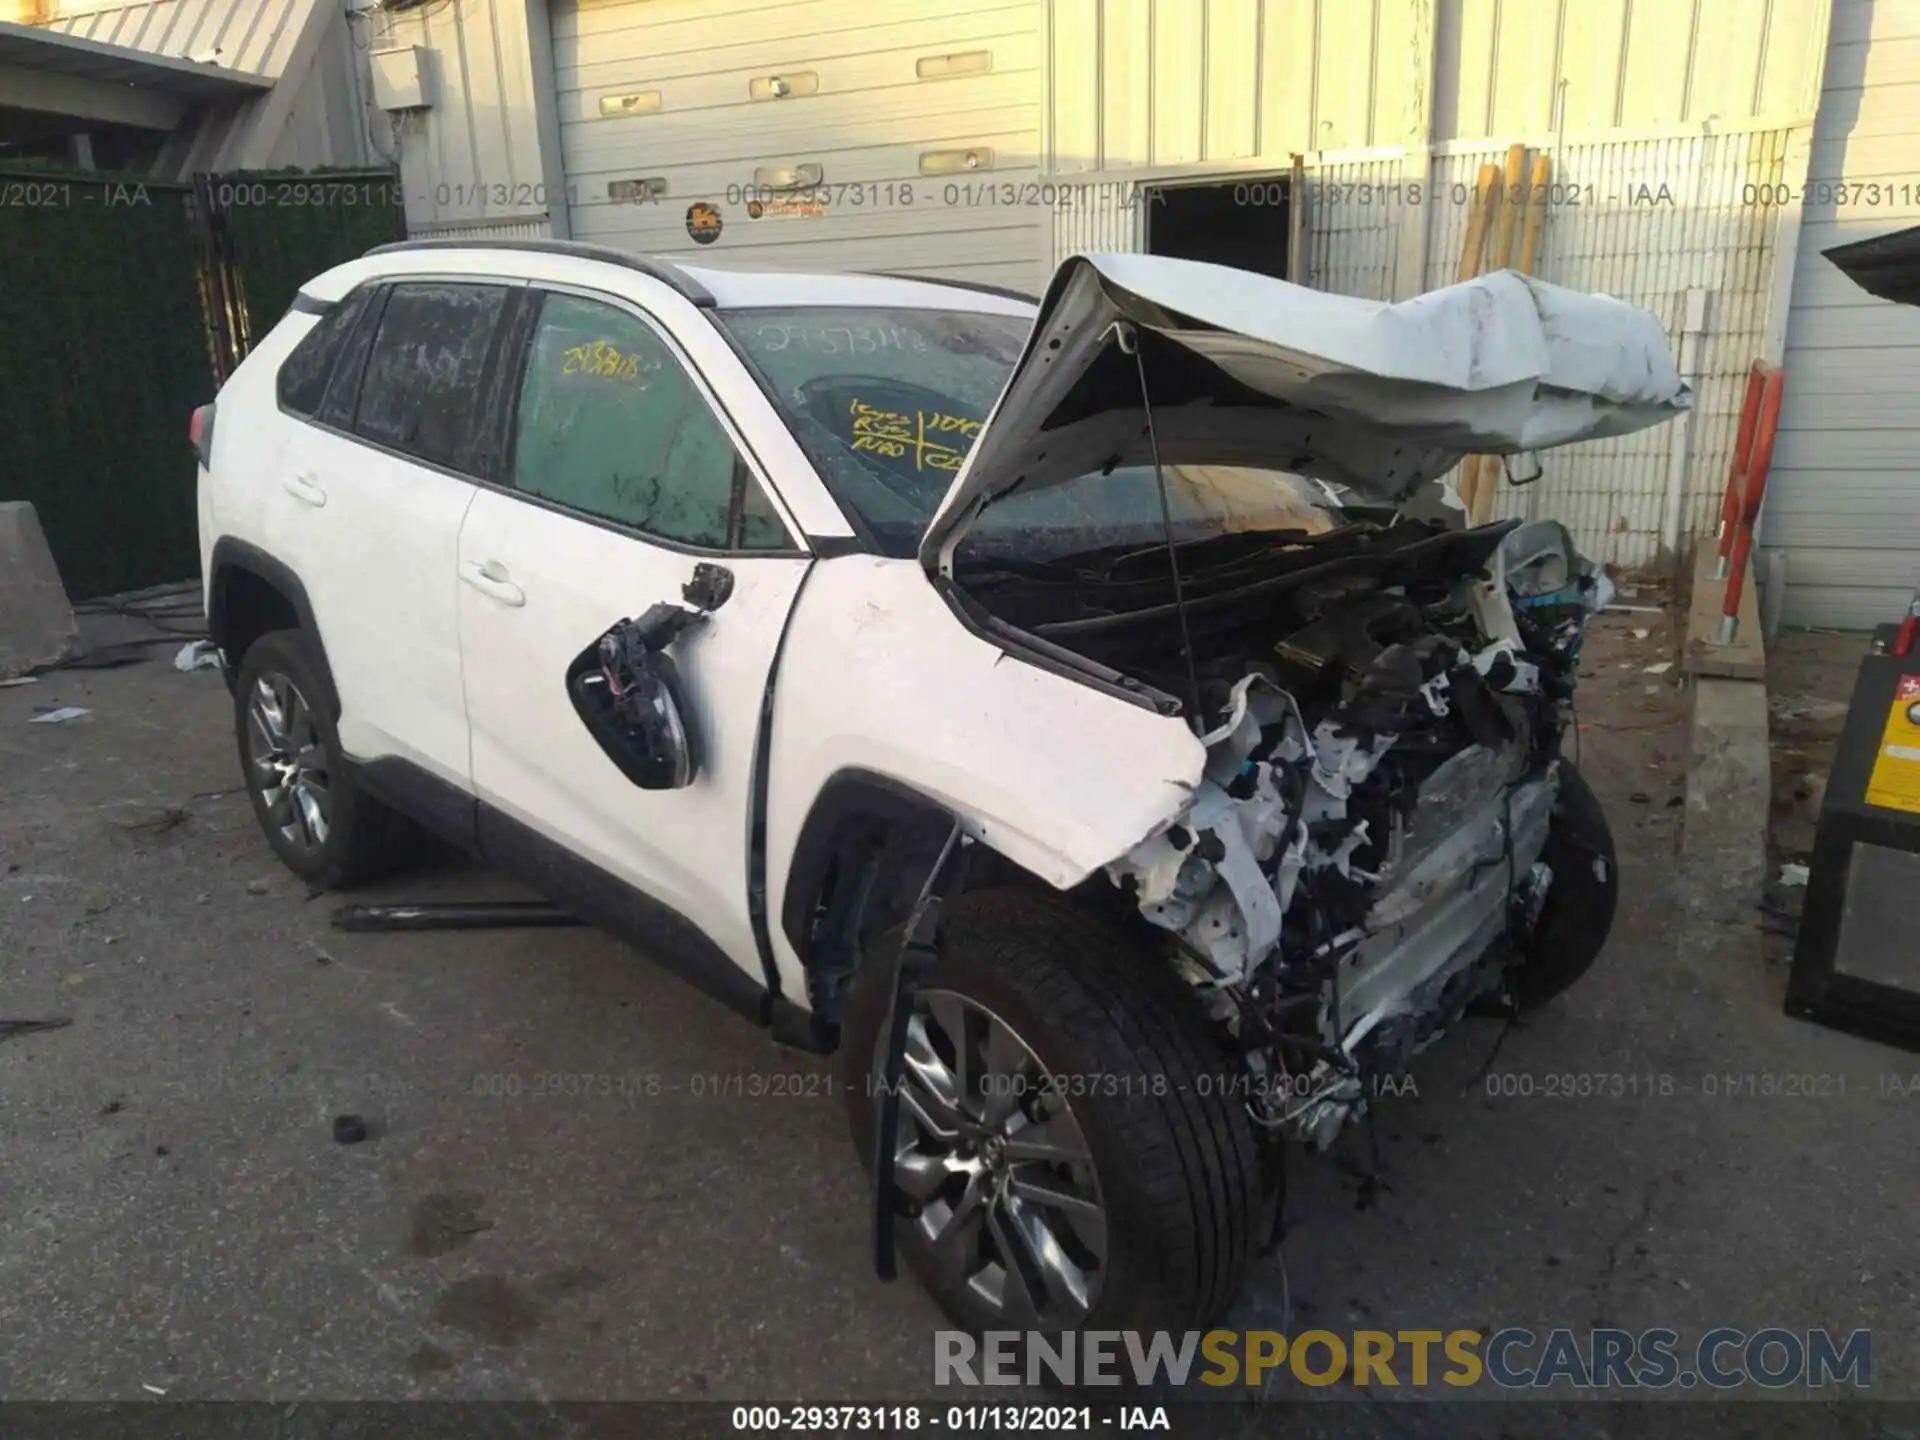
(476,162)
(678,93)
(1504,64)
(1136,83)
(1843,503)
(1664,123)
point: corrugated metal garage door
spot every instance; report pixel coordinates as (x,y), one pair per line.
(878,97)
(1844,497)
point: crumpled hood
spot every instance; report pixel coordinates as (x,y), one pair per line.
(1247,370)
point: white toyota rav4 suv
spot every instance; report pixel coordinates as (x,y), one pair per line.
(1078,714)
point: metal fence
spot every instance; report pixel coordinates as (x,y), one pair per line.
(121,304)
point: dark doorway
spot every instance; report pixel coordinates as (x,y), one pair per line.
(1242,223)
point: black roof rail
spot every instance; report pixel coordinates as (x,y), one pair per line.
(1004,292)
(665,271)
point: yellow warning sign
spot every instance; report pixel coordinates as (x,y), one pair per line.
(1895,782)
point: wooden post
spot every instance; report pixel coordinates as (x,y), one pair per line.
(1486,194)
(1512,200)
(1296,220)
(1489,468)
(1536,213)
(1486,201)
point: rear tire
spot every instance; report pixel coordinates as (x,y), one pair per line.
(1167,1153)
(1578,911)
(319,822)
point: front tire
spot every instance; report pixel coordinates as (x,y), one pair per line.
(1072,1153)
(1578,911)
(318,821)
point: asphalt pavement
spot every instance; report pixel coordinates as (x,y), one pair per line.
(585,1181)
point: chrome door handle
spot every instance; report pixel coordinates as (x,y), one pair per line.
(302,488)
(490,579)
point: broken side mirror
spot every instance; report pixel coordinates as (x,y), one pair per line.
(628,693)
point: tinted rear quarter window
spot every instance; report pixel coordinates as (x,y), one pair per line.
(303,377)
(421,391)
(343,391)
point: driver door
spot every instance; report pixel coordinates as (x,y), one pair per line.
(622,475)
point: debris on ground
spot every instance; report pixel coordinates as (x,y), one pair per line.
(256,887)
(156,821)
(19,680)
(64,715)
(11,1028)
(349,1129)
(197,655)
(1793,875)
(1660,668)
(452,915)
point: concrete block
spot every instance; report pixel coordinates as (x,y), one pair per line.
(1723,841)
(1746,658)
(37,628)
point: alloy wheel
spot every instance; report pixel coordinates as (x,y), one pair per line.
(289,762)
(998,1182)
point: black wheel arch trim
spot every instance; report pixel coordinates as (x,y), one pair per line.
(233,556)
(847,793)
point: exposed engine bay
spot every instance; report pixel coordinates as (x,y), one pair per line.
(1383,707)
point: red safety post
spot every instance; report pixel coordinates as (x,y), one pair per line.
(1754,489)
(1742,452)
(1909,630)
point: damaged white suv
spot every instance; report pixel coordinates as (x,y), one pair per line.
(1065,713)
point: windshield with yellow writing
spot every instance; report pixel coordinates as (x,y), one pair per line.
(886,403)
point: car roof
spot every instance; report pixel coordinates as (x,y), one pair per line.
(711,286)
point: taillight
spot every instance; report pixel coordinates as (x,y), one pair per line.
(200,434)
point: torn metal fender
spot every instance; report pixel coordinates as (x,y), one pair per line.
(879,675)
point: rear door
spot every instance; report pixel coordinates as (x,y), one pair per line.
(621,474)
(367,511)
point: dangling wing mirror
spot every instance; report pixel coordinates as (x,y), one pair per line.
(627,691)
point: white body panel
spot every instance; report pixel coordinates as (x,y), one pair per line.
(248,435)
(880,676)
(376,554)
(371,537)
(536,761)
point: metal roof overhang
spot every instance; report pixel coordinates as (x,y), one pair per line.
(50,73)
(1887,265)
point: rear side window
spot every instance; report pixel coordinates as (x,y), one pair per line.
(304,374)
(421,391)
(343,391)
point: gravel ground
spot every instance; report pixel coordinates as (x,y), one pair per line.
(687,1221)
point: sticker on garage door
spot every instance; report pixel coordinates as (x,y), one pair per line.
(1895,782)
(703,222)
